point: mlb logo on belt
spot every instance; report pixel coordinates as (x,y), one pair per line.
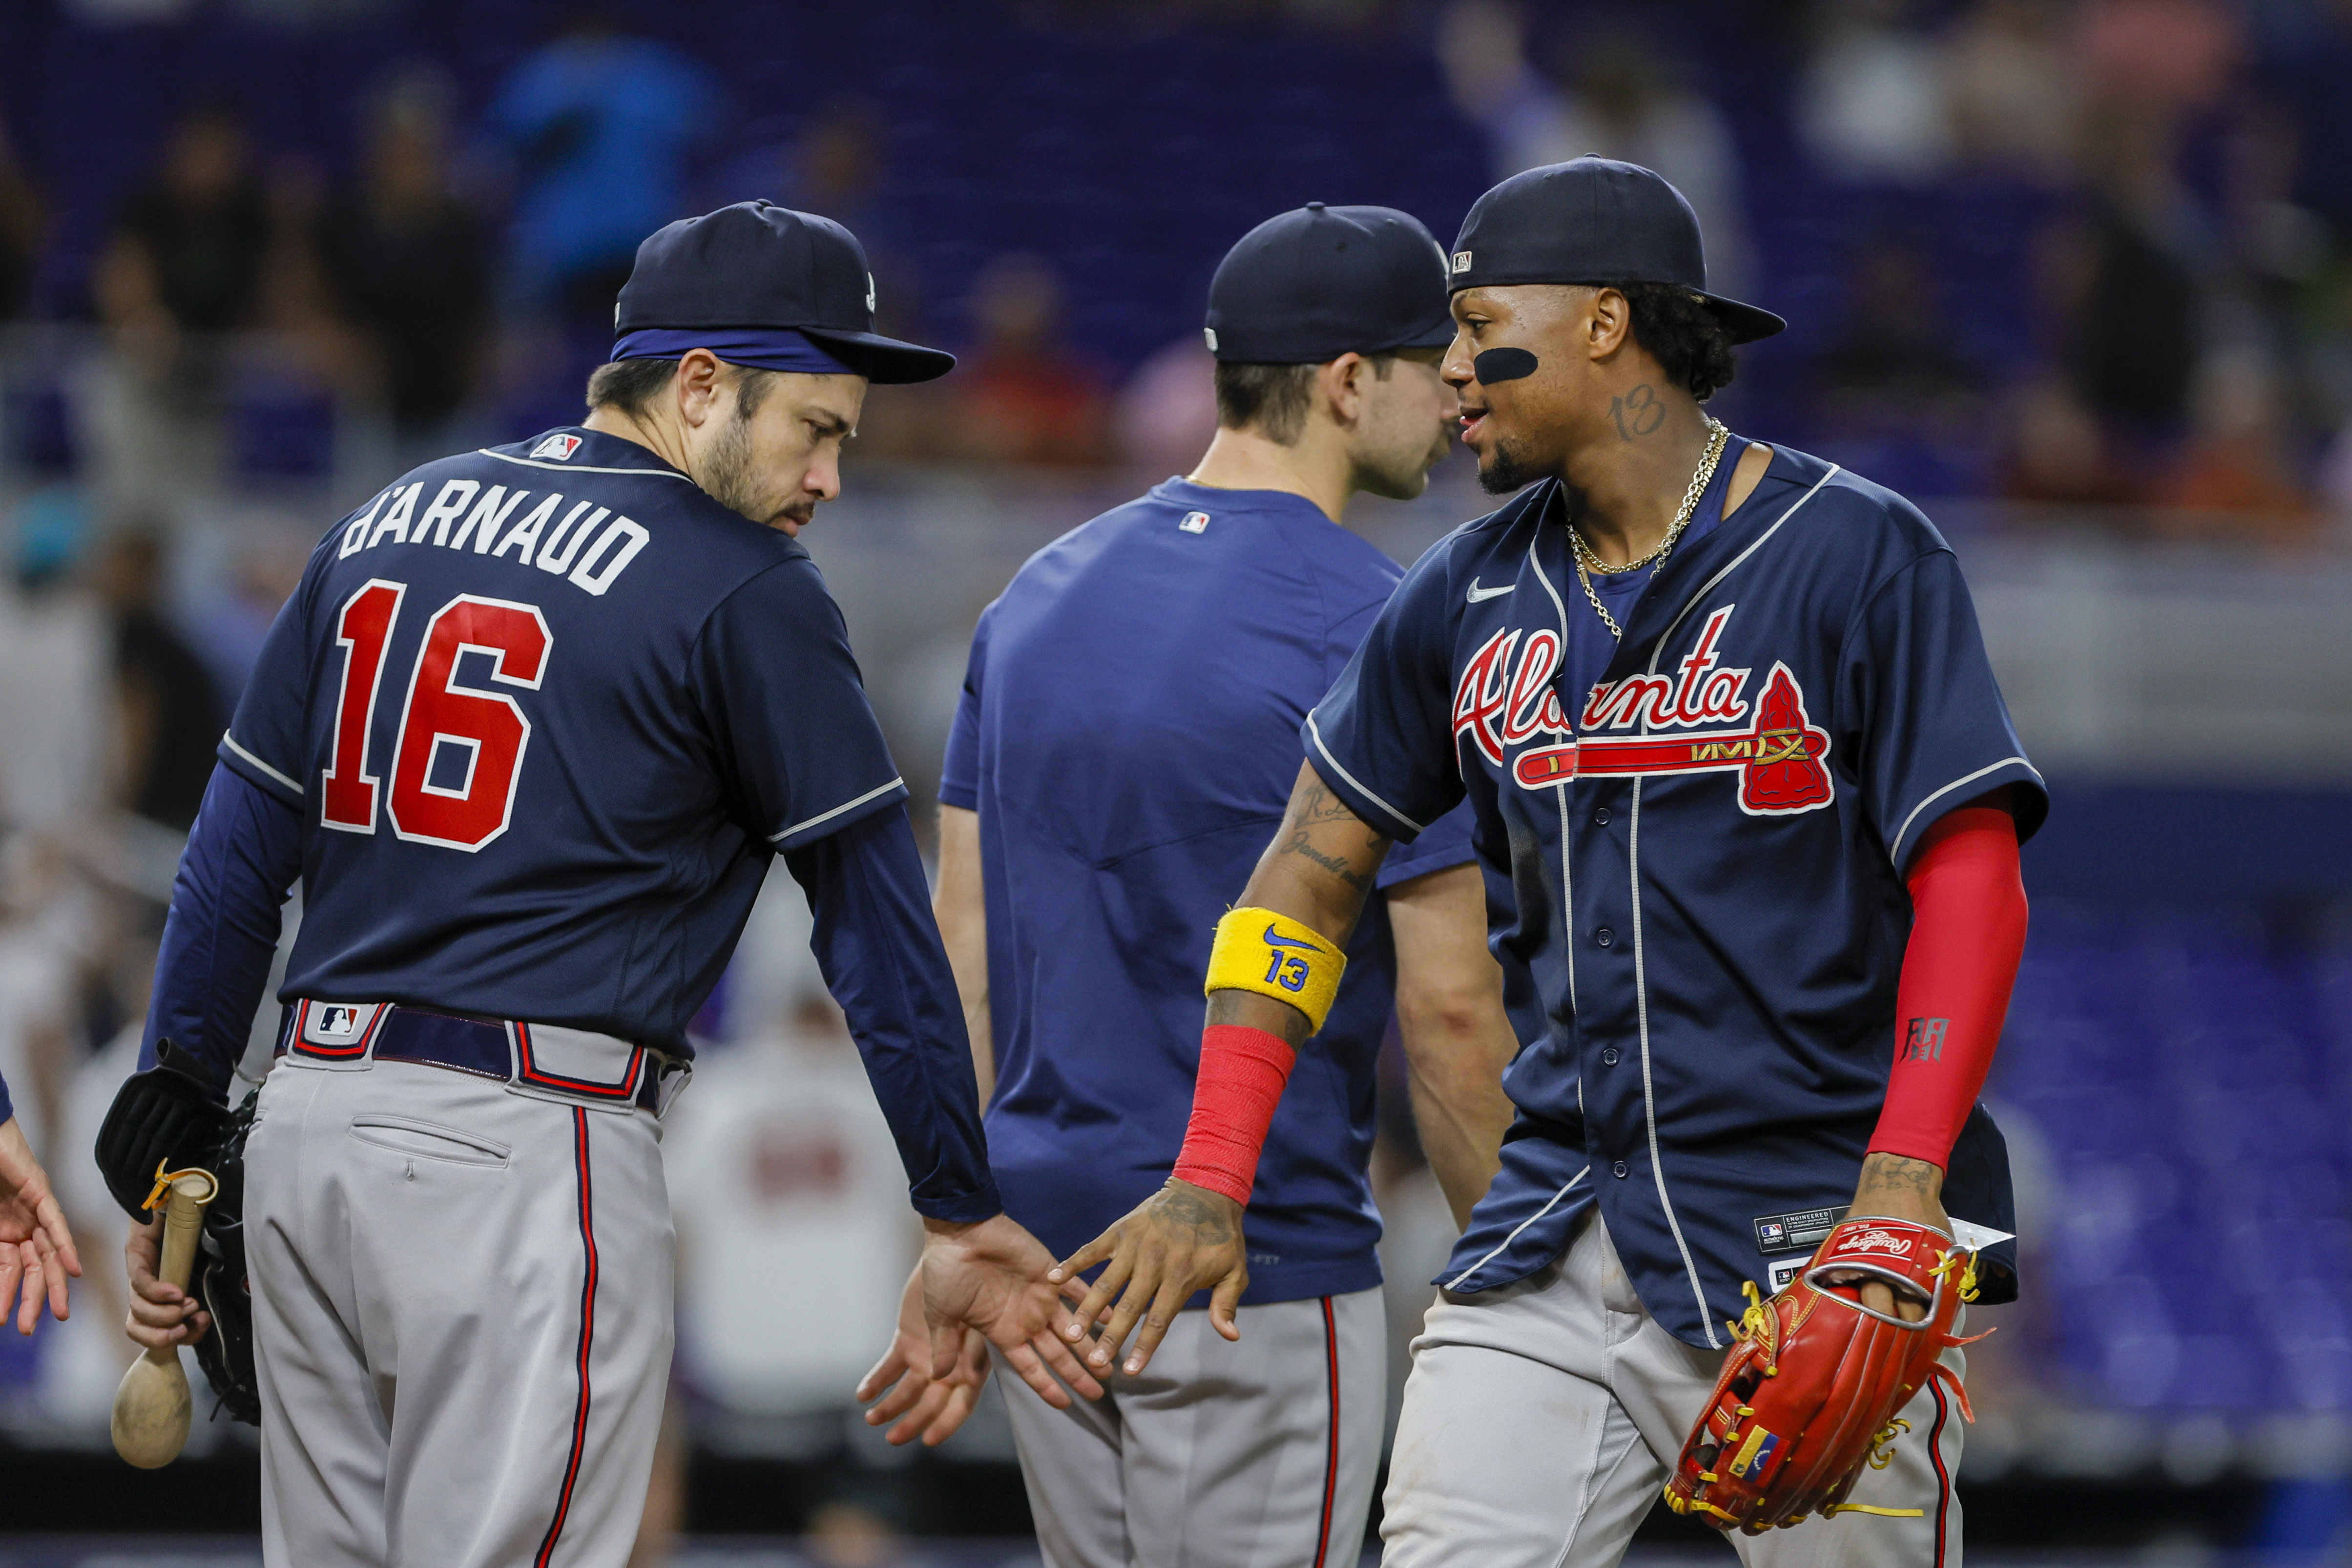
(335,1028)
(557,446)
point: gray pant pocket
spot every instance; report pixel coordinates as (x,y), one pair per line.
(427,1140)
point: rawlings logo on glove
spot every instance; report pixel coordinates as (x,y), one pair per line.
(1815,1387)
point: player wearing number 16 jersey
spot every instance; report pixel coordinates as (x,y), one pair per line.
(531,730)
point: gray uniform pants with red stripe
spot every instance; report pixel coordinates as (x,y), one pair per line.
(462,1315)
(1256,1455)
(1542,1419)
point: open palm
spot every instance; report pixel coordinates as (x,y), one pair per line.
(36,1250)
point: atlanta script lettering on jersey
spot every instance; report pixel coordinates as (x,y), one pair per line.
(587,545)
(1506,699)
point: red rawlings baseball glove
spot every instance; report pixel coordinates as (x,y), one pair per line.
(1814,1388)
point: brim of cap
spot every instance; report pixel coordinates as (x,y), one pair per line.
(1438,334)
(1745,323)
(886,361)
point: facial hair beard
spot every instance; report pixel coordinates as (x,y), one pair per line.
(726,471)
(1506,472)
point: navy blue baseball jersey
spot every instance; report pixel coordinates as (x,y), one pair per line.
(1705,827)
(1128,736)
(548,710)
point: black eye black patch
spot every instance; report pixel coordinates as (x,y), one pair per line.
(1503,364)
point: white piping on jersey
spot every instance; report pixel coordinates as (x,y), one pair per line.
(1316,736)
(1505,1242)
(230,742)
(581,468)
(1641,970)
(1963,779)
(779,837)
(1567,872)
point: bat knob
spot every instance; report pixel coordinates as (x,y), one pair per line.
(152,1410)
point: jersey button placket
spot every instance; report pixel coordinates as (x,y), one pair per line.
(1609,1055)
(1600,816)
(1606,937)
(1617,1169)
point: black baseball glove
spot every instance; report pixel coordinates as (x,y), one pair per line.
(173,1114)
(219,1282)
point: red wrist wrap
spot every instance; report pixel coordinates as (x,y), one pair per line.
(1242,1074)
(1968,932)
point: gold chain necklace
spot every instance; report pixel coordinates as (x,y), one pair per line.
(1589,564)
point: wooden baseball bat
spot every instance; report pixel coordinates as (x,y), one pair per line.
(153,1409)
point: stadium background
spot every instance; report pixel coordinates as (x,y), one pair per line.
(2076,274)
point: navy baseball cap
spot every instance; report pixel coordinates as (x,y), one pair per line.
(761,285)
(1595,220)
(1322,281)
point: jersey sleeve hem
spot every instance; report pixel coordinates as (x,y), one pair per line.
(964,797)
(255,772)
(1377,813)
(2031,806)
(809,829)
(970,1208)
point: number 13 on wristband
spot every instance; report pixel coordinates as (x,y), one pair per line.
(1273,955)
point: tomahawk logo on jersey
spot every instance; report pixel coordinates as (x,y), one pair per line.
(1802,681)
(513,677)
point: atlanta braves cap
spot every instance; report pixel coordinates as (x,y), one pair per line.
(1594,220)
(762,282)
(1311,285)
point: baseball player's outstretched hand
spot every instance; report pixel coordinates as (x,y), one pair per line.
(1181,1239)
(993,1277)
(36,1250)
(902,1387)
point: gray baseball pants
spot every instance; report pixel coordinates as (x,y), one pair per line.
(1256,1455)
(462,1302)
(1541,1420)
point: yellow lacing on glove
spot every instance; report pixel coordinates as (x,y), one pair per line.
(1882,1446)
(1759,1325)
(1966,1284)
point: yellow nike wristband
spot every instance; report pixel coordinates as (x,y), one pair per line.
(1273,955)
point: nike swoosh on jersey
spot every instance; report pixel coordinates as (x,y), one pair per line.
(1476,593)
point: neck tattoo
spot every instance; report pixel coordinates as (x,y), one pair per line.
(1588,566)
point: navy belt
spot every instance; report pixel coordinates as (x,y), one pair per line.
(487,1047)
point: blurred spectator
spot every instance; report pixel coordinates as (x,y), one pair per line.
(780,1163)
(2015,104)
(1604,92)
(1166,412)
(2237,460)
(1871,104)
(408,266)
(23,220)
(598,127)
(169,715)
(2126,282)
(1022,396)
(54,659)
(2166,56)
(1894,367)
(190,247)
(2059,453)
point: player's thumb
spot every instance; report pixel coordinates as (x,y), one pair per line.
(1225,1304)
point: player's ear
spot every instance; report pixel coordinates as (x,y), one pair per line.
(701,375)
(1606,322)
(1341,381)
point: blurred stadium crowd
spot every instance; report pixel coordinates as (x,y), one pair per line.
(2072,270)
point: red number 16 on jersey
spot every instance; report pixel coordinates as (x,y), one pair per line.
(488,728)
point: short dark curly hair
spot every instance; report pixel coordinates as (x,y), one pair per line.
(1690,344)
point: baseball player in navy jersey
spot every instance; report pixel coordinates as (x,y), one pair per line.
(1125,743)
(36,1250)
(531,730)
(1724,713)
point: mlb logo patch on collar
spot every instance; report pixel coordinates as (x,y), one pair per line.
(1194,522)
(558,446)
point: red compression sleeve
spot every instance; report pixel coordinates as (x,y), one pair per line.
(1968,932)
(1242,1074)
